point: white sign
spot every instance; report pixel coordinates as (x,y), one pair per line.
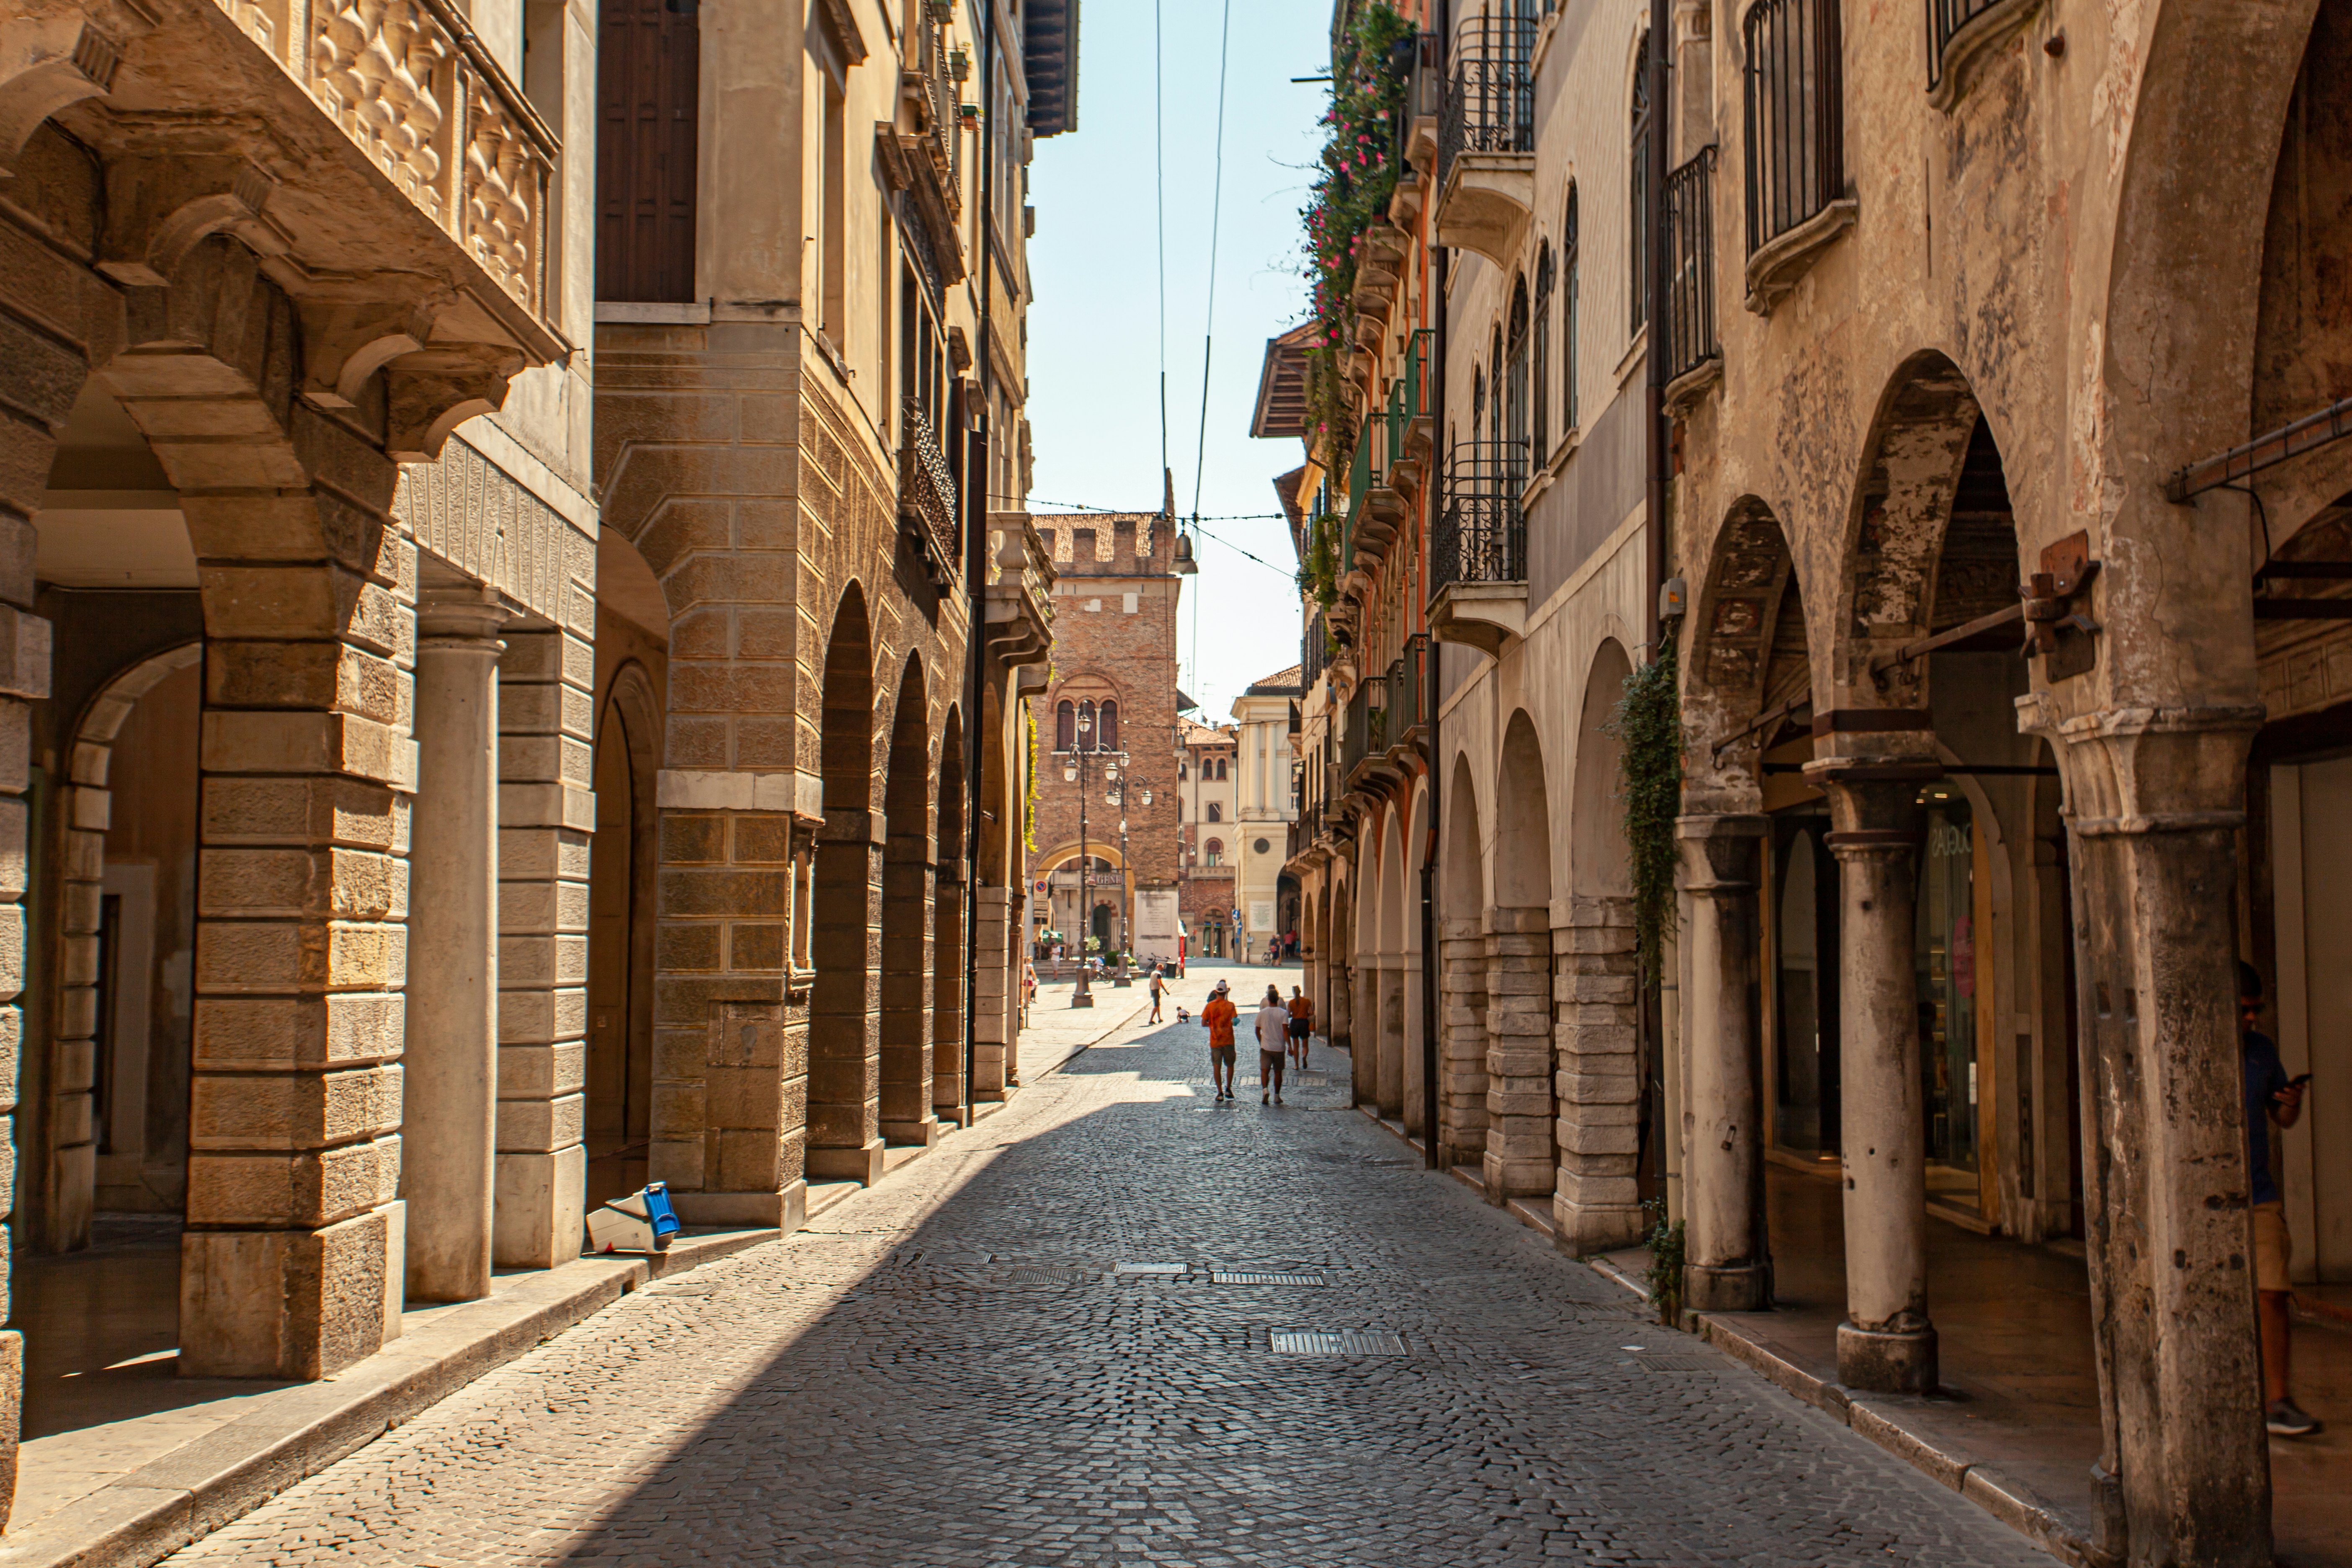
(1155,925)
(1261,914)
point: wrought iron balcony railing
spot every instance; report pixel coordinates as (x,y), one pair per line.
(1490,103)
(1946,18)
(1690,265)
(1367,726)
(1481,535)
(1796,115)
(1408,686)
(926,494)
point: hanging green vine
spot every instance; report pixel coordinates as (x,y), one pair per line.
(1029,787)
(1667,1256)
(1361,156)
(1648,725)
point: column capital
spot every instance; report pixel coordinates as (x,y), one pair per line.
(1719,852)
(1874,801)
(459,619)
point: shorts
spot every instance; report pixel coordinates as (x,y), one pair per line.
(2273,1247)
(1270,1062)
(1223,1056)
(1298,1028)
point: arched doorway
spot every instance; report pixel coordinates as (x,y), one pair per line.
(623,860)
(1462,978)
(845,1042)
(1519,1133)
(948,916)
(906,999)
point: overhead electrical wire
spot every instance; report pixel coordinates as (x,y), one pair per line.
(1208,318)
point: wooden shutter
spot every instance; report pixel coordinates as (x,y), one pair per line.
(647,74)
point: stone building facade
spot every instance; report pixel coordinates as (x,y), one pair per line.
(1205,791)
(1119,577)
(326,607)
(1930,390)
(1265,804)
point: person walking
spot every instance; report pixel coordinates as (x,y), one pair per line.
(1302,1025)
(1273,1039)
(2271,1097)
(1220,1015)
(1159,988)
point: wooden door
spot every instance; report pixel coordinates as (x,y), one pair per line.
(647,80)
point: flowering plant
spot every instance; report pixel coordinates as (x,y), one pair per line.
(1363,150)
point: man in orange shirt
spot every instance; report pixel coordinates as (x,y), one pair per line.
(1302,1025)
(1219,1014)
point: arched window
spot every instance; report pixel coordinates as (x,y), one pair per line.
(1106,727)
(1477,417)
(1216,811)
(1089,736)
(1539,363)
(1221,768)
(1494,399)
(1215,854)
(1066,726)
(1568,259)
(1514,386)
(1640,161)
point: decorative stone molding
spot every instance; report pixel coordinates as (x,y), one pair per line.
(468,511)
(1996,22)
(1774,269)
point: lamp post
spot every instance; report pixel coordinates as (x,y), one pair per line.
(1080,769)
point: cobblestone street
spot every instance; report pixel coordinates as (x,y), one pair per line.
(977,1362)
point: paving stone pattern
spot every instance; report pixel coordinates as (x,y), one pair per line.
(950,1369)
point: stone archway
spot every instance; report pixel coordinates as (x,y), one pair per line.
(905,1027)
(624,861)
(1462,975)
(1520,1093)
(1388,996)
(844,1137)
(947,915)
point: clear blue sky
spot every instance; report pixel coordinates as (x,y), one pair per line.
(1094,332)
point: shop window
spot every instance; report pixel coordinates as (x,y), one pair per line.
(1945,956)
(1805,1105)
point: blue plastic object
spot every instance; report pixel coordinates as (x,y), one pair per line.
(657,1209)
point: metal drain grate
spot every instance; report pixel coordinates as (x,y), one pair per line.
(1680,1363)
(1334,1342)
(1248,1276)
(1151,1270)
(1044,1276)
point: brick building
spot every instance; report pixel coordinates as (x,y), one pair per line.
(1207,785)
(1118,579)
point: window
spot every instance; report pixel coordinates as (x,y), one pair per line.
(1216,853)
(1567,258)
(1640,160)
(1106,731)
(1477,417)
(1221,768)
(1515,381)
(832,222)
(1066,726)
(648,58)
(1216,811)
(1796,134)
(1089,736)
(1539,361)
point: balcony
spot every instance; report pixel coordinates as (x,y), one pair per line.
(927,160)
(1408,677)
(1959,31)
(1795,108)
(1019,601)
(1391,451)
(927,496)
(1487,140)
(392,176)
(1694,357)
(1478,550)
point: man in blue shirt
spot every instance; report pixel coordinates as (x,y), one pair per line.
(2270,1097)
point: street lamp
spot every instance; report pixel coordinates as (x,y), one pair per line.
(1079,769)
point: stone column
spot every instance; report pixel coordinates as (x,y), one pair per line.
(2155,797)
(547,809)
(1462,1033)
(1389,1072)
(1339,1006)
(1887,1344)
(291,1264)
(1364,1006)
(1519,1161)
(451,1062)
(844,1139)
(1596,1002)
(1414,1035)
(1729,1255)
(905,1109)
(993,1014)
(948,999)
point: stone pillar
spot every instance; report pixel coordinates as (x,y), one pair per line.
(451,1063)
(1364,1006)
(1596,1000)
(1519,1158)
(1729,1258)
(905,1109)
(2157,796)
(1014,936)
(547,809)
(1389,1072)
(948,1000)
(1462,1034)
(994,1014)
(292,1263)
(845,1134)
(1887,1344)
(1339,1006)
(1415,1036)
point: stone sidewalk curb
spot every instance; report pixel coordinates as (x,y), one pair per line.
(1880,1421)
(196,1489)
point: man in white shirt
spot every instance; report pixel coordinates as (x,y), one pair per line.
(1273,1039)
